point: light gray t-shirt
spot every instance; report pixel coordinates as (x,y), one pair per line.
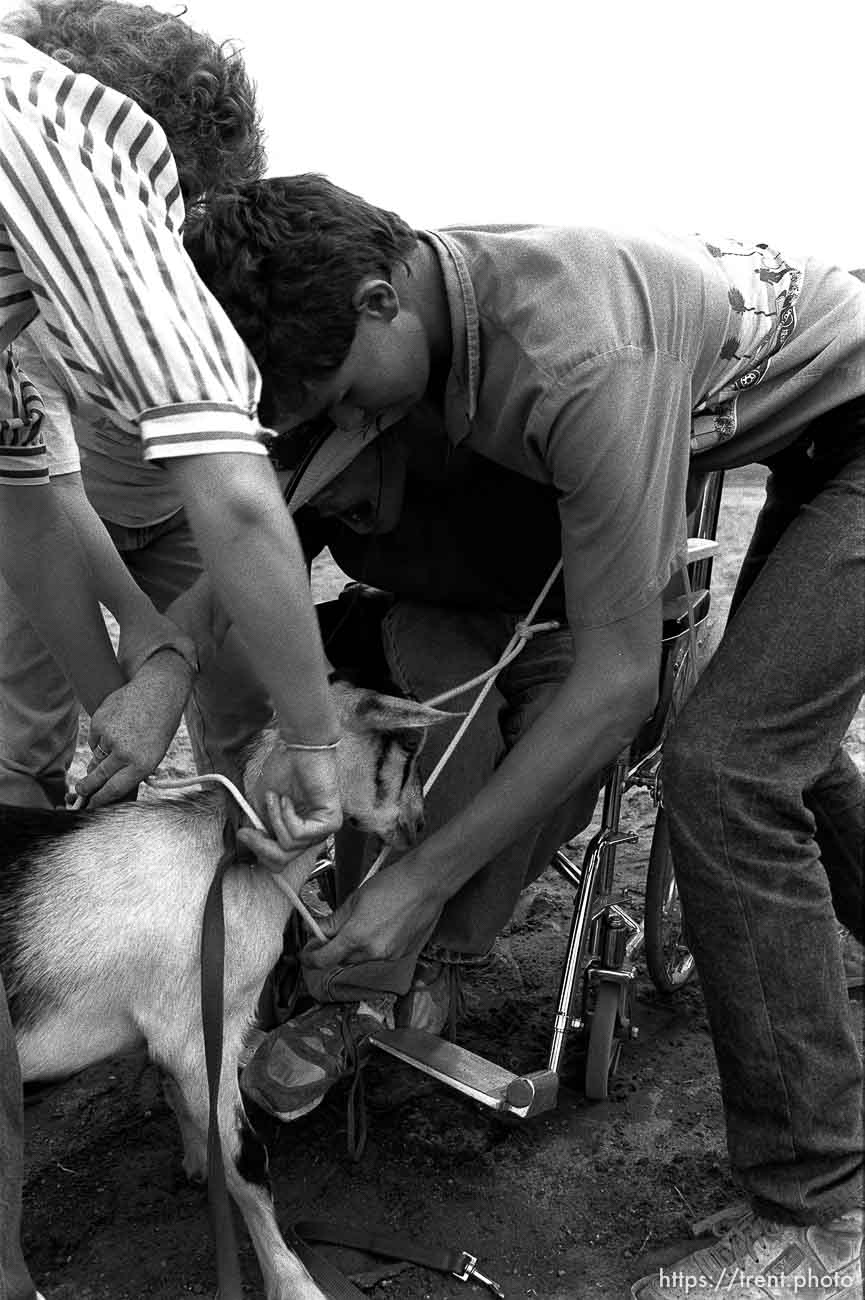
(602,361)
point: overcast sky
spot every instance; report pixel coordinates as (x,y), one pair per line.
(732,118)
(741,119)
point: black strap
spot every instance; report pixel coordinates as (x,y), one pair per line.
(228,1275)
(393,1245)
(212,1019)
(333,1282)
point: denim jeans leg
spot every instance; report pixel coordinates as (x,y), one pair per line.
(15,1281)
(836,797)
(755,741)
(529,684)
(430,649)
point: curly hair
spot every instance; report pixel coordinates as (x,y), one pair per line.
(196,89)
(284,257)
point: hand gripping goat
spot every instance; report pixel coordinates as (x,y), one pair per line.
(100,919)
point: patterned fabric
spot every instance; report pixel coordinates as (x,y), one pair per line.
(22,451)
(763,291)
(91,257)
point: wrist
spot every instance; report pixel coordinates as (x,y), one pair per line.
(181,648)
(141,652)
(319,733)
(435,876)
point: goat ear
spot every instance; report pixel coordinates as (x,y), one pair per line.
(377,712)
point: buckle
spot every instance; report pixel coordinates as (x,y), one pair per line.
(471,1273)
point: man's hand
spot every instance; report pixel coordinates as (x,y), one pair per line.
(388,918)
(297,794)
(133,727)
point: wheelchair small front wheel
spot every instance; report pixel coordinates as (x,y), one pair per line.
(668,959)
(602,1056)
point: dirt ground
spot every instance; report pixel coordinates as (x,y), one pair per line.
(572,1205)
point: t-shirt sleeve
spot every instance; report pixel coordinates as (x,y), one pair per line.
(615,437)
(94,212)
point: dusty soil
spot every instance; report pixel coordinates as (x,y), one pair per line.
(572,1205)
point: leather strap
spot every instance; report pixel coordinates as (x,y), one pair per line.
(228,1274)
(327,1275)
(212,1019)
(393,1245)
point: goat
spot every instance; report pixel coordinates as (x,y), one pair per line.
(100,920)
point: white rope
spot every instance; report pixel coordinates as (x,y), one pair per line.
(523,633)
(190,782)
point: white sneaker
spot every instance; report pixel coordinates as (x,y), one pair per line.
(759,1259)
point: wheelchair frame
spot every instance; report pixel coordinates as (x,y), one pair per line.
(604,940)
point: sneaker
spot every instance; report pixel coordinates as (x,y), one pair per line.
(429,1003)
(759,1259)
(297,1063)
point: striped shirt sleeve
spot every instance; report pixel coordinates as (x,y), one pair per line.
(91,210)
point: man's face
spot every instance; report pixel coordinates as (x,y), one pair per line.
(385,374)
(368,495)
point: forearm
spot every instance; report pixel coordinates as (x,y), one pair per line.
(250,549)
(116,588)
(48,571)
(199,614)
(563,750)
(591,719)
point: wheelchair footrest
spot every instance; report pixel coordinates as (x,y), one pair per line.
(517,1094)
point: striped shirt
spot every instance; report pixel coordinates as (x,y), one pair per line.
(91,258)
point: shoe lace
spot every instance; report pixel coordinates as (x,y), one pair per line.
(356,1121)
(456,999)
(742,1241)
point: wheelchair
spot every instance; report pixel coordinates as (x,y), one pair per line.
(604,942)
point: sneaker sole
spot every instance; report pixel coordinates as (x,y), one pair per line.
(286,1116)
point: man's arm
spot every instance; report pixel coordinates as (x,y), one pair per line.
(251,550)
(608,694)
(133,725)
(252,554)
(48,570)
(142,627)
(169,361)
(614,436)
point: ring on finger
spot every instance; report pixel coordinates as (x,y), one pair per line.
(100,752)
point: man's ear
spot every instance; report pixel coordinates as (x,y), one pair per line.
(377,298)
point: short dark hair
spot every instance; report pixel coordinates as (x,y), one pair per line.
(284,257)
(195,88)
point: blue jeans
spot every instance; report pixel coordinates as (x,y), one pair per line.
(767,825)
(15,1281)
(428,650)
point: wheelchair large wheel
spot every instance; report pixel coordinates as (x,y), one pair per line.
(668,959)
(602,1056)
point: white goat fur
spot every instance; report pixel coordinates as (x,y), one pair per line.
(107,935)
